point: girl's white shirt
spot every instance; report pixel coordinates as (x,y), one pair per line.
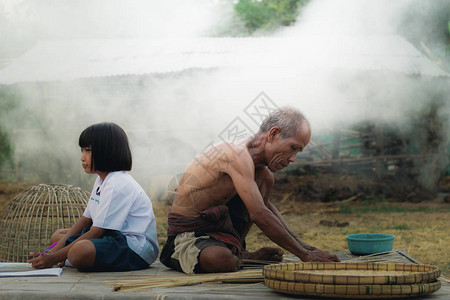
(120,203)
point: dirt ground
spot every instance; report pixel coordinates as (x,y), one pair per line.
(336,207)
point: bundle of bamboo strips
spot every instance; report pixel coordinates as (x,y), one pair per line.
(258,263)
(151,282)
(389,256)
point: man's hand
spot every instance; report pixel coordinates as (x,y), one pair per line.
(265,253)
(321,256)
(44,261)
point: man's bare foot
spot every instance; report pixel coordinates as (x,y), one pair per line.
(265,253)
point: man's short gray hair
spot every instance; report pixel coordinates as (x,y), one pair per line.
(288,119)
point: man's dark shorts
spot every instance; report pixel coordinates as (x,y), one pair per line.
(181,252)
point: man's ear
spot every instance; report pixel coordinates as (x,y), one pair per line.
(273,133)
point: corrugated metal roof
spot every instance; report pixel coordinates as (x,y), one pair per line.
(75,59)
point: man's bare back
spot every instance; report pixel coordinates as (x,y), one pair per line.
(205,182)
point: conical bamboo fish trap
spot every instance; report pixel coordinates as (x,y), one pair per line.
(33,215)
(353,280)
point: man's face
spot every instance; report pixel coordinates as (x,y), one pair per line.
(281,152)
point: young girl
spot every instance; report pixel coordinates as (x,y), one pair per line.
(117,231)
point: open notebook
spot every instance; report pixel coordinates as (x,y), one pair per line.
(26,270)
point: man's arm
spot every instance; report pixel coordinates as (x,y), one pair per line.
(313,250)
(266,190)
(275,211)
(241,171)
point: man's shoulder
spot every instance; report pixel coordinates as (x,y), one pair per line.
(223,157)
(232,148)
(237,153)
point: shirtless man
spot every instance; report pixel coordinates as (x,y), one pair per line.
(226,189)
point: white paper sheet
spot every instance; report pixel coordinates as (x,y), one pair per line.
(21,273)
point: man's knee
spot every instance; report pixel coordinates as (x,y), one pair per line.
(218,259)
(82,254)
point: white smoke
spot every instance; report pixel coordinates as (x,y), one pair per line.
(171,117)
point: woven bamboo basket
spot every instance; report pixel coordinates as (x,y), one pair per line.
(376,291)
(353,280)
(34,215)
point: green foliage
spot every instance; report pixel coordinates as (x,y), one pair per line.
(5,147)
(268,14)
(8,101)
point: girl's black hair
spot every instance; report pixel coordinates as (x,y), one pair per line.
(110,150)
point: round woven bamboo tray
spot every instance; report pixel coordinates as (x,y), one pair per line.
(352,280)
(34,215)
(352,273)
(362,291)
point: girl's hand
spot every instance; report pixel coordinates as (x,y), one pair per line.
(41,262)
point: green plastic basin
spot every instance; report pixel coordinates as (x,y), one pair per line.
(369,243)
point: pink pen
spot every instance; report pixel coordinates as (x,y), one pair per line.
(49,248)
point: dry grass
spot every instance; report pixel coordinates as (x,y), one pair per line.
(8,190)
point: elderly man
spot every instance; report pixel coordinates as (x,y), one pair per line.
(225,189)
